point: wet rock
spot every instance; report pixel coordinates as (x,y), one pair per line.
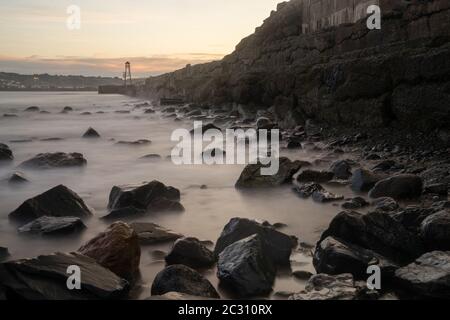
(67,109)
(116,249)
(55,160)
(122,111)
(385,204)
(373,156)
(178,296)
(384,165)
(437,188)
(403,186)
(190,252)
(364,180)
(324,196)
(315,176)
(140,142)
(428,276)
(86,113)
(124,214)
(355,203)
(32,109)
(435,230)
(10,115)
(182,279)
(150,233)
(194,113)
(327,287)
(149,111)
(5,153)
(59,201)
(251,176)
(206,127)
(306,190)
(152,157)
(53,226)
(278,245)
(341,169)
(4,253)
(264,123)
(169,110)
(91,133)
(17,178)
(45,277)
(149,197)
(302,275)
(244,268)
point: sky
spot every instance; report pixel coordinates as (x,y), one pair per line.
(156,36)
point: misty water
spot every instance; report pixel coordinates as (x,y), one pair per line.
(207,210)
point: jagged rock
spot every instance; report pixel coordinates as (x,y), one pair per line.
(148,197)
(53,225)
(17,178)
(324,196)
(364,180)
(327,287)
(305,190)
(385,204)
(45,277)
(404,186)
(5,153)
(4,253)
(190,252)
(315,176)
(245,268)
(116,249)
(355,203)
(140,142)
(150,233)
(251,176)
(206,127)
(341,169)
(428,276)
(55,160)
(59,201)
(32,109)
(182,279)
(435,230)
(91,133)
(278,245)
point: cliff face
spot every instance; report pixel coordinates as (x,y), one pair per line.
(342,74)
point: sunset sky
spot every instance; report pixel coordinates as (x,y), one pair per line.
(155,35)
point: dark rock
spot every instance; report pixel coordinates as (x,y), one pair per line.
(116,249)
(124,214)
(59,201)
(244,268)
(91,133)
(53,226)
(341,169)
(152,157)
(150,197)
(17,178)
(190,252)
(355,203)
(206,127)
(122,111)
(5,153)
(384,165)
(437,188)
(10,115)
(141,142)
(4,253)
(385,204)
(403,186)
(278,245)
(428,276)
(32,109)
(327,287)
(86,113)
(51,139)
(435,230)
(373,156)
(315,176)
(45,277)
(305,190)
(194,113)
(251,176)
(182,279)
(312,129)
(55,160)
(67,110)
(149,111)
(177,296)
(263,123)
(302,275)
(324,196)
(150,233)
(364,180)
(169,110)
(294,144)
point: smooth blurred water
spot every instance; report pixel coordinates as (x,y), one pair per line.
(207,210)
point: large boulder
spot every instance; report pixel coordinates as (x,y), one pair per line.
(315,176)
(277,245)
(245,268)
(150,233)
(190,252)
(328,287)
(148,197)
(59,201)
(53,226)
(55,160)
(117,249)
(363,180)
(435,230)
(45,278)
(182,279)
(428,276)
(4,253)
(403,186)
(91,133)
(5,153)
(341,169)
(251,177)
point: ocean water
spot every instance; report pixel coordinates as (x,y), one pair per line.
(207,210)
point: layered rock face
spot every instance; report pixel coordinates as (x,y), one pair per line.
(310,59)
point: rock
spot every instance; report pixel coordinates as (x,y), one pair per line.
(91,133)
(251,176)
(302,275)
(355,203)
(4,253)
(364,180)
(277,244)
(327,287)
(385,204)
(341,169)
(206,127)
(335,257)
(45,277)
(194,113)
(150,197)
(17,178)
(435,230)
(152,157)
(67,110)
(190,252)
(32,109)
(305,190)
(10,115)
(150,233)
(53,225)
(122,111)
(403,186)
(149,111)
(315,176)
(124,214)
(211,153)
(294,144)
(177,296)
(59,201)
(182,279)
(437,188)
(312,129)
(373,156)
(264,123)
(116,249)
(324,196)
(141,142)
(244,268)
(86,113)
(169,110)
(5,153)
(384,165)
(55,160)
(428,276)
